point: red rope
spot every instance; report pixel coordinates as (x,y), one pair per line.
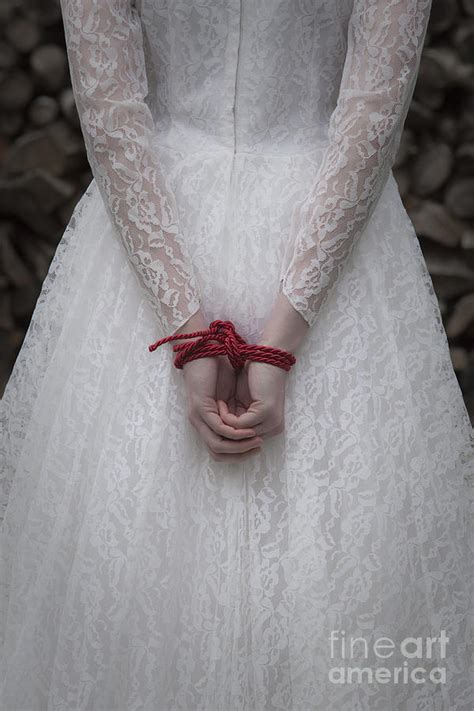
(229,343)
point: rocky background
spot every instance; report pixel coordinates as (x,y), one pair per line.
(44,169)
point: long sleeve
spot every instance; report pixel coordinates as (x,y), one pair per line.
(384,44)
(104,42)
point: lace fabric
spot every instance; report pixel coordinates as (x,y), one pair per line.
(138,574)
(105,46)
(104,43)
(384,45)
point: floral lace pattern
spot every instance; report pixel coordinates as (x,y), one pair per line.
(138,574)
(106,58)
(385,41)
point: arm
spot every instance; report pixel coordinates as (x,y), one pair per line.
(105,50)
(384,45)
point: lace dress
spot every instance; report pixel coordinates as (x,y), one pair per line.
(238,147)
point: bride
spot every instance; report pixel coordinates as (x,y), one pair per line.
(235,457)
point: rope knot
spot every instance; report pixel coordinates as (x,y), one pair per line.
(229,343)
(225,333)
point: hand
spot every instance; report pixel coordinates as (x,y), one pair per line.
(259,401)
(260,391)
(205,380)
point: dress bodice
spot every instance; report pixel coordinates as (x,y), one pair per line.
(246,77)
(245,74)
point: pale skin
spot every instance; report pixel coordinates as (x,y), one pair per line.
(234,414)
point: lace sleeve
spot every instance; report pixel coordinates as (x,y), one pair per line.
(104,43)
(384,44)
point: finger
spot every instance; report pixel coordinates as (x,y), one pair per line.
(250,419)
(231,420)
(261,429)
(227,416)
(225,410)
(226,407)
(222,445)
(218,432)
(264,429)
(222,407)
(214,421)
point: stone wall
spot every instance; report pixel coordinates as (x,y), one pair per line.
(44,170)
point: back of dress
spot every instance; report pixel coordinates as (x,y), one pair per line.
(237,147)
(245,75)
(318,89)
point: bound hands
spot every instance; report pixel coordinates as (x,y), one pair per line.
(234,413)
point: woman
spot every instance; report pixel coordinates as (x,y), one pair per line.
(210,538)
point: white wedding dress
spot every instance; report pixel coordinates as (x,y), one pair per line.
(237,147)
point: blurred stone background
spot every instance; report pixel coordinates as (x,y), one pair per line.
(44,169)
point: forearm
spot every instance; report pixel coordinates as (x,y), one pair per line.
(105,45)
(197,322)
(285,328)
(384,45)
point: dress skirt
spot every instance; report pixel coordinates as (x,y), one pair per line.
(137,573)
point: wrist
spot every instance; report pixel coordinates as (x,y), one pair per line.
(285,328)
(196,322)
